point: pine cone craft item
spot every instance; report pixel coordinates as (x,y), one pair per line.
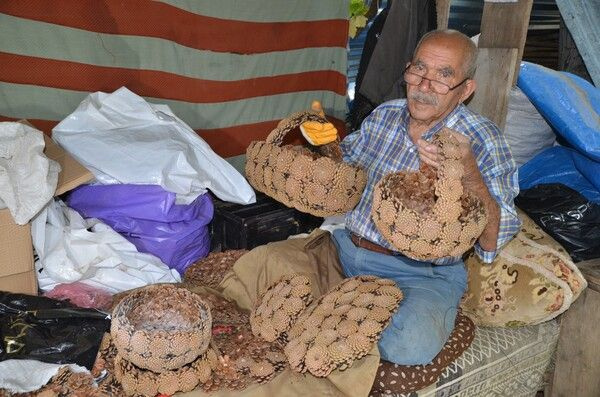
(161,327)
(427,214)
(342,326)
(278,307)
(137,381)
(211,270)
(313,180)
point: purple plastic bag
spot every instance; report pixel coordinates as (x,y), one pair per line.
(148,217)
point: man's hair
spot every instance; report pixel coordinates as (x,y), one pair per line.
(470,62)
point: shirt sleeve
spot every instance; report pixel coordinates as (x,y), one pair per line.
(499,172)
(354,146)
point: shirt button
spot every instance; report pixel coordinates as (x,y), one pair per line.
(412,150)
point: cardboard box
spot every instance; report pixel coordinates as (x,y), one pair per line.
(17,273)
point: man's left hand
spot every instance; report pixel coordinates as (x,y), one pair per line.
(429,154)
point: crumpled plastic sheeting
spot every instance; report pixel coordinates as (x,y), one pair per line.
(568,102)
(122,138)
(22,376)
(71,248)
(27,177)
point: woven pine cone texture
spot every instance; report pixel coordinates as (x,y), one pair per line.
(161,327)
(342,326)
(138,381)
(211,270)
(278,307)
(318,183)
(427,214)
(235,360)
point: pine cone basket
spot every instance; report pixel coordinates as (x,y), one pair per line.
(320,184)
(161,327)
(427,214)
(342,326)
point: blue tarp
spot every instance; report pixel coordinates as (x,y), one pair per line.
(571,105)
(557,165)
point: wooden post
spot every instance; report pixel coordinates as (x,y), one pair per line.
(443,13)
(494,76)
(577,371)
(504,25)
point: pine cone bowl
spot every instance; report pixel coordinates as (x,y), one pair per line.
(161,327)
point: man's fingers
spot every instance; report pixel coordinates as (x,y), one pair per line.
(428,157)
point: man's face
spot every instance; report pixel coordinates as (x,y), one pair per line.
(441,59)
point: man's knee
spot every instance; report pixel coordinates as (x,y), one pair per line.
(415,339)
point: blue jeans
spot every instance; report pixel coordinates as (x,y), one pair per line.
(425,318)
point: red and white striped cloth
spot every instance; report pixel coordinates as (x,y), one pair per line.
(229,68)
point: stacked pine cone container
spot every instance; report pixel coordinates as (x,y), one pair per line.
(161,334)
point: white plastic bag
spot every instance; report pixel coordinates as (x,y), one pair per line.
(71,248)
(526,131)
(122,138)
(27,177)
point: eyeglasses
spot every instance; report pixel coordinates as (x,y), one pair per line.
(437,86)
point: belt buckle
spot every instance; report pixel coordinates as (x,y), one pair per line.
(360,239)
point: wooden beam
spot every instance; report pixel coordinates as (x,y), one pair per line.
(504,25)
(442,8)
(494,76)
(582,19)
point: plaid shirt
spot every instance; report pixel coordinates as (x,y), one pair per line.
(383,145)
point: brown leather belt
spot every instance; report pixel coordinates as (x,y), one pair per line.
(369,245)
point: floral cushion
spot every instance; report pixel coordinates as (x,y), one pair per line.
(531,280)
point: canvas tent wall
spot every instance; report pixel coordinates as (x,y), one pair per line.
(229,69)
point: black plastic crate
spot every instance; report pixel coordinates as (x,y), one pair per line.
(236,226)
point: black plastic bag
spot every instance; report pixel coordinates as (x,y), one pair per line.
(49,330)
(567,216)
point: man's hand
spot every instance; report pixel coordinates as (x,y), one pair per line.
(429,152)
(316,133)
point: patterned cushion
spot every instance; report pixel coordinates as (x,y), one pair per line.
(532,280)
(393,378)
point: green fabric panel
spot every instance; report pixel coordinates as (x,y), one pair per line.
(44,40)
(36,102)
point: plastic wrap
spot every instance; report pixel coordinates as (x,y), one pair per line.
(48,330)
(561,165)
(148,217)
(568,102)
(82,295)
(567,216)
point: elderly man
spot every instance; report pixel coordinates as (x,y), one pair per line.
(395,137)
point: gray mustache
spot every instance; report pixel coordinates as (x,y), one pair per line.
(424,98)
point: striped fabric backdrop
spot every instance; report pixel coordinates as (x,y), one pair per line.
(229,68)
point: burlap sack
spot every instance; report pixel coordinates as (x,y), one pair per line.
(316,257)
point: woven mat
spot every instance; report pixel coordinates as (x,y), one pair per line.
(396,379)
